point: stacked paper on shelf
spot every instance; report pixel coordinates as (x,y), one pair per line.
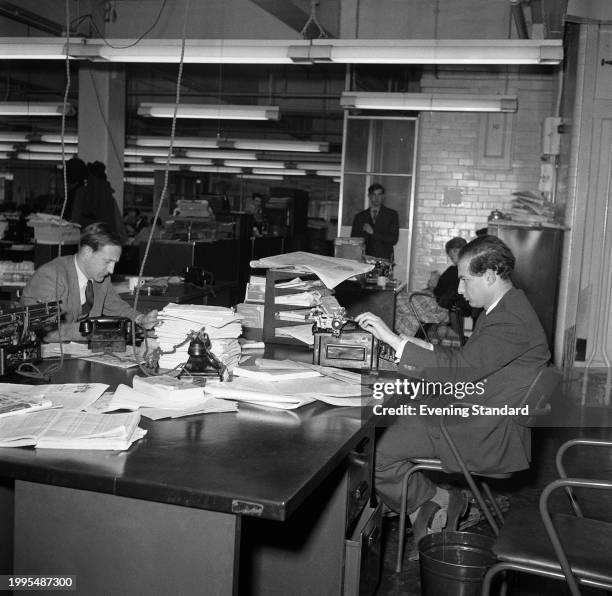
(58,429)
(311,298)
(177,320)
(531,207)
(164,396)
(330,270)
(251,315)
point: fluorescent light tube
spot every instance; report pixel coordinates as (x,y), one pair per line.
(215,169)
(279,145)
(284,172)
(197,142)
(434,102)
(57,138)
(222,154)
(183,161)
(40,156)
(228,143)
(33,108)
(331,173)
(51,148)
(34,48)
(259,177)
(210,111)
(443,51)
(14,137)
(140,180)
(245,163)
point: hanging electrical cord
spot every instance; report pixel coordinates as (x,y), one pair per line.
(312,20)
(135,42)
(58,365)
(164,191)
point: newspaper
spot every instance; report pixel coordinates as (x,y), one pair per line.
(330,270)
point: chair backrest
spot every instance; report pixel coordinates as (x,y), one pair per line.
(539,394)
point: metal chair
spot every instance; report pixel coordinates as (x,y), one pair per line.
(559,546)
(537,398)
(455,319)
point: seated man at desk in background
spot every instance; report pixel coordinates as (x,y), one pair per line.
(378,224)
(502,357)
(82,283)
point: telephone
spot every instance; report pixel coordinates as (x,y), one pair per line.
(109,334)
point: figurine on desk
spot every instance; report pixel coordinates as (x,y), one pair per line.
(82,283)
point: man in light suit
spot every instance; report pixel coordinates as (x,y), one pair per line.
(378,224)
(504,354)
(82,283)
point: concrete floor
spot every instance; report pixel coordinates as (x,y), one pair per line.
(568,420)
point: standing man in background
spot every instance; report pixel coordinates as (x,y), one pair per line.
(378,224)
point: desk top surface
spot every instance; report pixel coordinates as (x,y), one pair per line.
(271,459)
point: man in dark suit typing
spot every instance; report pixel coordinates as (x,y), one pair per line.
(378,224)
(501,358)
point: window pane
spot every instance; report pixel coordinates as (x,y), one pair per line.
(353,196)
(393,146)
(356,143)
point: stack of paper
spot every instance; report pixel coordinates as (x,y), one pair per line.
(177,320)
(330,270)
(166,397)
(288,386)
(70,396)
(58,429)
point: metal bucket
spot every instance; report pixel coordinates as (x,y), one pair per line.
(454,563)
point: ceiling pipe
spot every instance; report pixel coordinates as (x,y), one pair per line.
(32,19)
(519,19)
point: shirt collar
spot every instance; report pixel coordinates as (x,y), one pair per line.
(494,304)
(80,275)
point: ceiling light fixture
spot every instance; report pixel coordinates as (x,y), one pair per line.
(242,163)
(33,108)
(259,177)
(210,111)
(345,51)
(51,148)
(40,156)
(429,102)
(216,169)
(283,172)
(228,143)
(140,180)
(35,48)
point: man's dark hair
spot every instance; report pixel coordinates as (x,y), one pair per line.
(97,235)
(374,187)
(456,242)
(488,252)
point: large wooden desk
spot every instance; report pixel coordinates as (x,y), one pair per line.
(254,502)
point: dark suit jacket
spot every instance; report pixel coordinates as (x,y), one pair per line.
(506,350)
(57,280)
(386,232)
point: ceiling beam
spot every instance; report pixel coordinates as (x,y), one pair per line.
(32,19)
(288,13)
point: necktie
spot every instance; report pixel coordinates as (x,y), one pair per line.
(89,300)
(374,215)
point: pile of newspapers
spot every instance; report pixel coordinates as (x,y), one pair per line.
(177,321)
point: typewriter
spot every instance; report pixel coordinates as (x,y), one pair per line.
(21,331)
(340,342)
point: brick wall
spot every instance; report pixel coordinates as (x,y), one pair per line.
(447,159)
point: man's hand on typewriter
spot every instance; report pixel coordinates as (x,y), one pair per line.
(379,329)
(147,321)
